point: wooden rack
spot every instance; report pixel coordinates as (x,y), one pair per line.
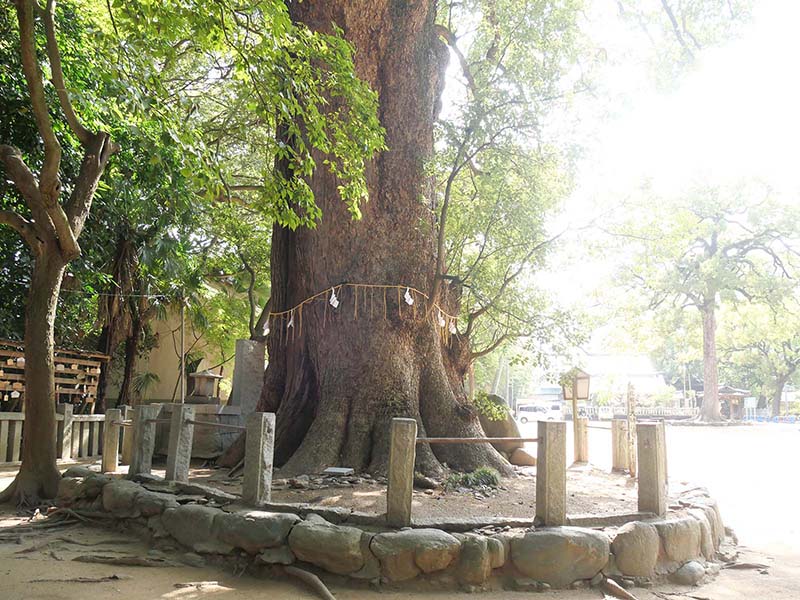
(77,375)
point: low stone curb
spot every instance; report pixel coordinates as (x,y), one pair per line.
(209,522)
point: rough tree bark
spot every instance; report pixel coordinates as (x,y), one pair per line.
(339,379)
(777,394)
(38,476)
(710,411)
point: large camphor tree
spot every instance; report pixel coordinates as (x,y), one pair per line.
(338,375)
(338,382)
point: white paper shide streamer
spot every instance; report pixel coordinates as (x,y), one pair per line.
(334,301)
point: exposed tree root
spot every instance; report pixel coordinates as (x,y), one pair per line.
(128,561)
(66,540)
(614,589)
(113,577)
(312,581)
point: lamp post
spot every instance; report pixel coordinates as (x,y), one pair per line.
(575,385)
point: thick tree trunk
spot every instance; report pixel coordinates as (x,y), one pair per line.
(710,410)
(337,378)
(38,477)
(777,393)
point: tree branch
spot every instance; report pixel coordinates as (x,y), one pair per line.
(676,28)
(251,298)
(95,158)
(512,276)
(53,55)
(449,37)
(23,227)
(490,348)
(19,173)
(26,183)
(49,183)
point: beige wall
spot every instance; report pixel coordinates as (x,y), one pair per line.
(163,360)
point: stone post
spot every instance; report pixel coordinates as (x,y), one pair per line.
(551,474)
(630,409)
(179,450)
(402,452)
(582,440)
(258,453)
(652,459)
(111,429)
(619,445)
(66,430)
(127,435)
(248,376)
(144,439)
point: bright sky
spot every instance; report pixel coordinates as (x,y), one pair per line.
(736,114)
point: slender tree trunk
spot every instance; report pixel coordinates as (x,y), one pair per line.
(710,410)
(337,378)
(103,344)
(38,477)
(129,368)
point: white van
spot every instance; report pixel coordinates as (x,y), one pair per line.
(539,412)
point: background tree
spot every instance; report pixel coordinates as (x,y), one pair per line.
(764,341)
(711,245)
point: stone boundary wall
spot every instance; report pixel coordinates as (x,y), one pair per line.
(209,522)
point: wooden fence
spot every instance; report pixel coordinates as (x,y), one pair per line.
(77,436)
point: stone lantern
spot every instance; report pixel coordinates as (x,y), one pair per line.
(204,388)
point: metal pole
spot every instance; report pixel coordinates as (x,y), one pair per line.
(183,352)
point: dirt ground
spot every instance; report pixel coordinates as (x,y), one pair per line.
(749,470)
(591,491)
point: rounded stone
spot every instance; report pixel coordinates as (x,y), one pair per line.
(93,485)
(119,498)
(497,551)
(706,537)
(254,530)
(69,490)
(281,555)
(335,548)
(560,555)
(506,427)
(193,526)
(404,554)
(680,538)
(78,471)
(635,549)
(154,503)
(689,574)
(522,458)
(475,561)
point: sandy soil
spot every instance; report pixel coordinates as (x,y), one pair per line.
(749,470)
(591,491)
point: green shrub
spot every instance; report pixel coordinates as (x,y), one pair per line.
(489,407)
(479,477)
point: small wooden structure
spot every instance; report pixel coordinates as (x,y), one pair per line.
(735,399)
(77,375)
